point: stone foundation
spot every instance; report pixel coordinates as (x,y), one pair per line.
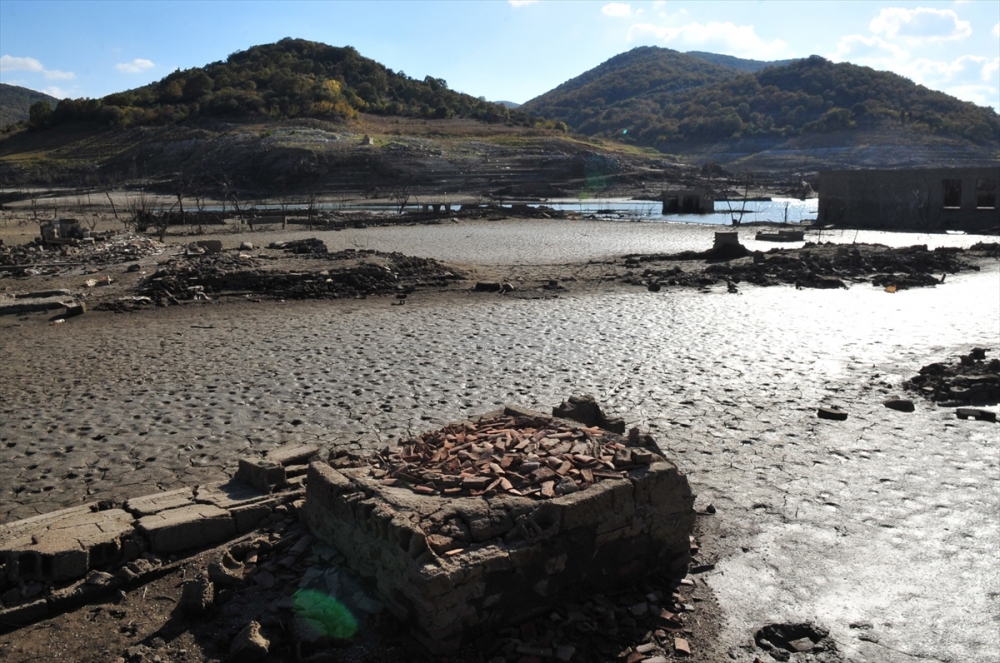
(452,566)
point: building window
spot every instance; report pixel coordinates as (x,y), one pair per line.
(986,194)
(952,193)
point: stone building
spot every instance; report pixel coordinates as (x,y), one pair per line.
(925,199)
(688,201)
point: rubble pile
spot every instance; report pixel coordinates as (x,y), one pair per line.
(813,266)
(522,456)
(35,259)
(359,274)
(972,379)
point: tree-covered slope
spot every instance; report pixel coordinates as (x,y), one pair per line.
(15,102)
(737,63)
(288,79)
(581,101)
(809,96)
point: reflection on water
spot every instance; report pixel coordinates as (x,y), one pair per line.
(779,210)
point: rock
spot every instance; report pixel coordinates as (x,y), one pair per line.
(682,647)
(99,578)
(487,287)
(975,413)
(197,596)
(780,639)
(585,410)
(836,414)
(75,309)
(900,404)
(223,576)
(249,645)
(565,652)
(246,246)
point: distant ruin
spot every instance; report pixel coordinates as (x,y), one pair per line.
(688,201)
(924,199)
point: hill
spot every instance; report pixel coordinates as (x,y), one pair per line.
(814,106)
(738,63)
(582,101)
(292,78)
(15,102)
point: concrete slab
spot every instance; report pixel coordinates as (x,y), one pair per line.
(187,527)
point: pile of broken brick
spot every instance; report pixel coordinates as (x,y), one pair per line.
(522,456)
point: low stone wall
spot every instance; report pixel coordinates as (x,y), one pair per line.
(452,566)
(65,545)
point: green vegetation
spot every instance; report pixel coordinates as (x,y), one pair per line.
(16,102)
(807,96)
(581,102)
(289,79)
(737,63)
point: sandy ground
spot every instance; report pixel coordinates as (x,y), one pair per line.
(882,527)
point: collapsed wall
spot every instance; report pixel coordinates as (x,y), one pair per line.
(493,520)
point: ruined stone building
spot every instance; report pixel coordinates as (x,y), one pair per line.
(925,199)
(688,201)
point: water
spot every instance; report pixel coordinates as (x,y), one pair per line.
(777,210)
(789,210)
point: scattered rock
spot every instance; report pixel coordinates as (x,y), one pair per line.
(249,645)
(900,404)
(197,596)
(834,413)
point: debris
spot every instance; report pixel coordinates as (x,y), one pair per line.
(249,645)
(900,404)
(974,413)
(833,413)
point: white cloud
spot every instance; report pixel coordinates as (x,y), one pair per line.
(57,92)
(739,40)
(136,66)
(991,69)
(870,51)
(996,30)
(521,3)
(11,63)
(921,23)
(56,75)
(617,9)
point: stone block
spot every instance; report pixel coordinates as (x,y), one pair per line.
(187,527)
(249,516)
(261,474)
(289,454)
(63,545)
(147,505)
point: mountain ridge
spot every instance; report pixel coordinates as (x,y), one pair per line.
(16,101)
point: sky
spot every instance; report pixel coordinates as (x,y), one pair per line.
(503,50)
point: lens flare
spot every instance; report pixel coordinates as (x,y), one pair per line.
(325,614)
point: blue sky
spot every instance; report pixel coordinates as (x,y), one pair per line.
(499,49)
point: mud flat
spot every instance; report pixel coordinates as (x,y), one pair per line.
(880,527)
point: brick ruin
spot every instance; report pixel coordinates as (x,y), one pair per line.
(495,519)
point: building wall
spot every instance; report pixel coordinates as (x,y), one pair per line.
(907,199)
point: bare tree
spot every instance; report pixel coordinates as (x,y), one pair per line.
(736,214)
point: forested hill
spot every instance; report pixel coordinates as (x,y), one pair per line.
(581,100)
(15,101)
(288,79)
(738,63)
(809,96)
